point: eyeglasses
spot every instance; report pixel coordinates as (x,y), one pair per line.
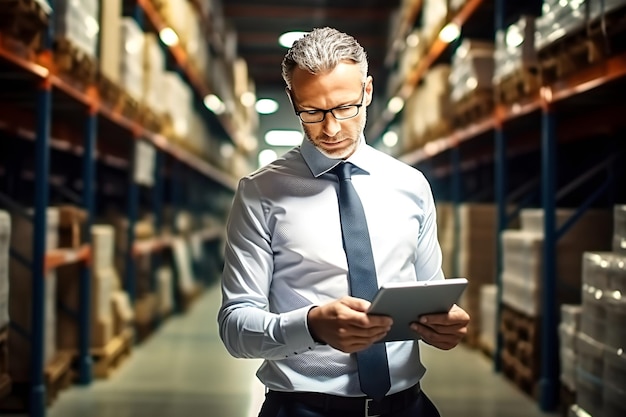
(344,112)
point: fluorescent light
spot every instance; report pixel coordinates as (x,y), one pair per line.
(395,105)
(267,156)
(168,36)
(266,106)
(248,99)
(390,139)
(288,38)
(213,103)
(450,32)
(283,137)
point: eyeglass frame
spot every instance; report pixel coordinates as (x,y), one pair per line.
(326,111)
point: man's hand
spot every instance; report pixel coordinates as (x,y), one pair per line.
(443,331)
(345,325)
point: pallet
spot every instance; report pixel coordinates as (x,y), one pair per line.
(75,64)
(597,40)
(520,355)
(107,359)
(517,85)
(23,20)
(57,377)
(472,108)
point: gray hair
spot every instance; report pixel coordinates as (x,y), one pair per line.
(320,51)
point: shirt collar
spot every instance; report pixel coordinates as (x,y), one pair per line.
(319,163)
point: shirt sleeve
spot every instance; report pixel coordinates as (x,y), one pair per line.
(247,327)
(429,257)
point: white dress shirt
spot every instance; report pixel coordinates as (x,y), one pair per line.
(284,255)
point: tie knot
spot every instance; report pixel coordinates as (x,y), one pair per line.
(343,171)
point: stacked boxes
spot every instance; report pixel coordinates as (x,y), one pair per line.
(472,68)
(601,368)
(488,325)
(153,70)
(105,283)
(522,257)
(476,258)
(178,96)
(568,330)
(77,22)
(515,49)
(131,59)
(558,19)
(21,295)
(110,40)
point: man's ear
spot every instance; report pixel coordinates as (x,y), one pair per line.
(369,90)
(289,94)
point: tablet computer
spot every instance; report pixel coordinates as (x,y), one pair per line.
(406,301)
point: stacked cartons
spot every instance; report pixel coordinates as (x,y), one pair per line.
(601,366)
(569,327)
(77,22)
(619,229)
(487,326)
(104,282)
(21,295)
(110,40)
(131,58)
(186,288)
(476,258)
(522,252)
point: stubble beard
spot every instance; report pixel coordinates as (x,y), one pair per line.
(342,153)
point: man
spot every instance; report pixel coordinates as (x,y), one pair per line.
(286,294)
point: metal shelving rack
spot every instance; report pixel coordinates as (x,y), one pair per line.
(499,140)
(52,90)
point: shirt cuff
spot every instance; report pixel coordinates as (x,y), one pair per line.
(295,330)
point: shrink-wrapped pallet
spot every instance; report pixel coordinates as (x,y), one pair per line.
(77,22)
(131,59)
(568,329)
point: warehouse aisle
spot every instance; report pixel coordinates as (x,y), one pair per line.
(183,370)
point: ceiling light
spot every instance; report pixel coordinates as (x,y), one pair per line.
(248,99)
(266,106)
(395,105)
(168,36)
(227,150)
(412,40)
(213,103)
(390,139)
(450,32)
(287,39)
(267,156)
(283,137)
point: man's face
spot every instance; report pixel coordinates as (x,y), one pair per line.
(342,86)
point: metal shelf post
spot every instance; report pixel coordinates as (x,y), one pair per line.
(456,197)
(130,283)
(42,167)
(85,361)
(549,347)
(501,183)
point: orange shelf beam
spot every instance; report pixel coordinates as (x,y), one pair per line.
(414,77)
(182,59)
(582,81)
(63,256)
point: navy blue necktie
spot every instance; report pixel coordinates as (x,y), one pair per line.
(372,362)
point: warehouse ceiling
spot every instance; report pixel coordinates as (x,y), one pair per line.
(259,25)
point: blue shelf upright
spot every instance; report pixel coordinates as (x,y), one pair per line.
(85,361)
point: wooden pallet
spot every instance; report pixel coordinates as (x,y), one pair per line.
(57,377)
(107,359)
(520,353)
(77,65)
(517,85)
(599,39)
(472,108)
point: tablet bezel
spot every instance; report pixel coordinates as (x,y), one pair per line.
(406,301)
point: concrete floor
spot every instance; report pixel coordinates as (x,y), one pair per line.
(183,370)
